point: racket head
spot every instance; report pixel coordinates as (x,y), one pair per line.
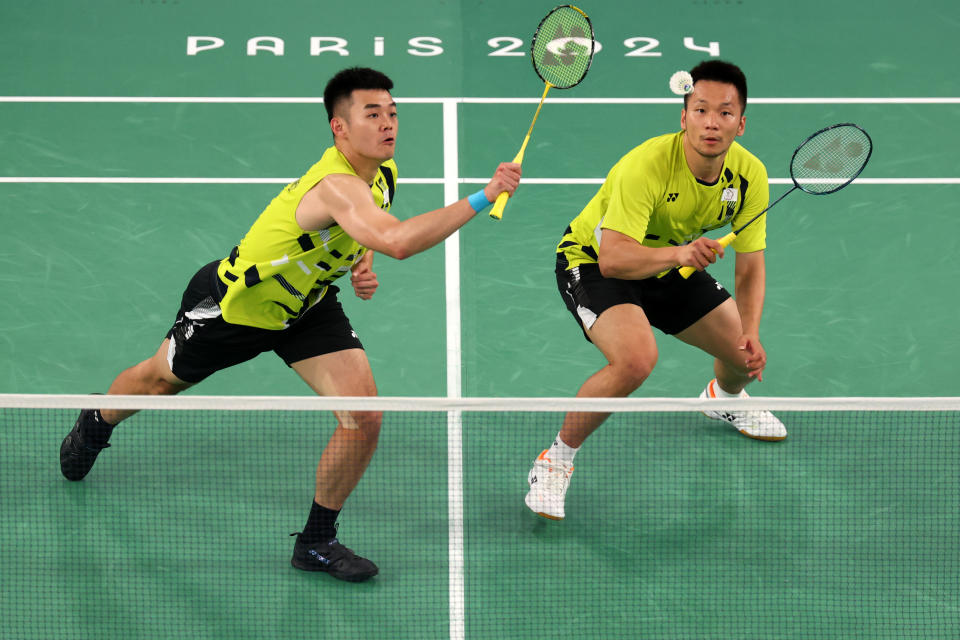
(830,159)
(563,46)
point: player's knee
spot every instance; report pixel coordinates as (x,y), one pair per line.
(364,424)
(633,371)
(370,422)
(735,368)
(161,387)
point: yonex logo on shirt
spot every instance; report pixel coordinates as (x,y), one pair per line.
(672,196)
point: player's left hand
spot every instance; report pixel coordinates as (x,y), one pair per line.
(363,279)
(754,355)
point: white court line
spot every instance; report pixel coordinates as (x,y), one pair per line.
(860,181)
(443,181)
(451,250)
(109,180)
(531,100)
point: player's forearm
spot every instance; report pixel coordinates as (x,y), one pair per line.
(749,291)
(421,232)
(366,262)
(637,262)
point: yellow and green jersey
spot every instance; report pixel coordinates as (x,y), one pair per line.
(652,196)
(279,270)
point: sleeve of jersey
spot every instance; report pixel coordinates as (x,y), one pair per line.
(631,199)
(756,199)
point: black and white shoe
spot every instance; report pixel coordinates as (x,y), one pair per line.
(333,558)
(78,453)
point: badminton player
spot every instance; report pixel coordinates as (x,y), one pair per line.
(275,292)
(616,269)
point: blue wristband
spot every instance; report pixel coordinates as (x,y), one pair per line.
(479,201)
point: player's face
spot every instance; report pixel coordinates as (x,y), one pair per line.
(712,118)
(370,123)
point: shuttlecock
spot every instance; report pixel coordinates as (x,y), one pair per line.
(681,83)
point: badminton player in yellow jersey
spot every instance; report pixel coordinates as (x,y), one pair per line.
(275,292)
(616,268)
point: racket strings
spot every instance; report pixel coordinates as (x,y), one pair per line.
(563,47)
(831,159)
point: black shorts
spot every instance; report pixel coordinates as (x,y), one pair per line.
(202,342)
(671,303)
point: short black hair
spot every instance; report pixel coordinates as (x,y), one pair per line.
(720,71)
(347,81)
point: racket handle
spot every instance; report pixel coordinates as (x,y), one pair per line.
(686,272)
(501,202)
(498,206)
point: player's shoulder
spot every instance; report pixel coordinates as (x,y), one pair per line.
(653,156)
(330,163)
(657,146)
(741,160)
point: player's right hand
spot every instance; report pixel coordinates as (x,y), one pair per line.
(700,253)
(506,178)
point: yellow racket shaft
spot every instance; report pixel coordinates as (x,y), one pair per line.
(497,212)
(724,241)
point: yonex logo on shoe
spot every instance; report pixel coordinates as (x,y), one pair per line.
(318,556)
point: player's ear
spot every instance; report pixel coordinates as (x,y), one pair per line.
(337,126)
(683,120)
(743,124)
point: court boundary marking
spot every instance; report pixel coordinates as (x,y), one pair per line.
(437,181)
(460,100)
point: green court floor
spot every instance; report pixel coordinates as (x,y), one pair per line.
(678,528)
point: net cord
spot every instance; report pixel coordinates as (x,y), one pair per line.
(439,404)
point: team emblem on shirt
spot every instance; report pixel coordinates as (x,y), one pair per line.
(728,204)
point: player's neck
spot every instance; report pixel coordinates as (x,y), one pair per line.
(365,167)
(705,169)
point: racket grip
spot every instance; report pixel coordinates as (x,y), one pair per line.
(686,272)
(498,206)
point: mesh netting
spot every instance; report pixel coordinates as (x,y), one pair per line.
(676,526)
(830,159)
(563,47)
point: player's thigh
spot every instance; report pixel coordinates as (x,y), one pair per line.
(624,336)
(340,373)
(610,315)
(343,373)
(717,332)
(159,367)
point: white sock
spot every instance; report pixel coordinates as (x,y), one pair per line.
(561,451)
(717,389)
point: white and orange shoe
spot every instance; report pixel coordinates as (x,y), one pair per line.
(759,425)
(548,487)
